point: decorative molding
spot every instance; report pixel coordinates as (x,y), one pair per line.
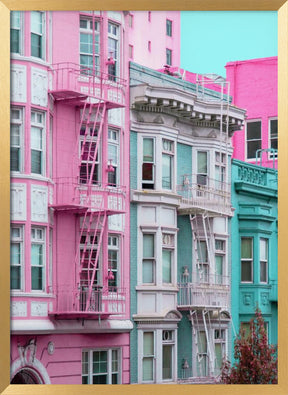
(39,309)
(18,83)
(18,202)
(18,309)
(39,203)
(39,87)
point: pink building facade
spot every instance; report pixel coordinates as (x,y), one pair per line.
(70,304)
(253,86)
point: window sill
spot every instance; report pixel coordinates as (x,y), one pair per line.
(31,59)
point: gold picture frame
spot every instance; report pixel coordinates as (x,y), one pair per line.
(197,5)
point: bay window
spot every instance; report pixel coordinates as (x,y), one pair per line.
(113,44)
(167,163)
(113,157)
(220,170)
(219,261)
(202,167)
(113,260)
(246,259)
(37,142)
(16,257)
(89,54)
(101,366)
(167,257)
(37,34)
(38,250)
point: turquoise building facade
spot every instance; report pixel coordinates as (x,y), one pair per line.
(254,235)
(180,212)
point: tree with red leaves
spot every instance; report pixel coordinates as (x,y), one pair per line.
(256,360)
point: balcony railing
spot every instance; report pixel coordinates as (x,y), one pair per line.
(70,193)
(211,291)
(102,301)
(70,77)
(202,192)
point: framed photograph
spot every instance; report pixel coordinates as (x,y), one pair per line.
(126,168)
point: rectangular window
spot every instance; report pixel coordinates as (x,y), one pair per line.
(219,261)
(168,28)
(148,164)
(113,157)
(113,261)
(167,163)
(167,354)
(148,356)
(113,55)
(168,57)
(37,142)
(38,251)
(16,257)
(263,260)
(202,167)
(219,348)
(89,169)
(15,31)
(246,259)
(131,52)
(148,264)
(37,34)
(167,257)
(89,54)
(273,128)
(220,170)
(149,46)
(253,138)
(16,137)
(131,20)
(101,367)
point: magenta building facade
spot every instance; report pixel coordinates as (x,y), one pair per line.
(253,86)
(70,254)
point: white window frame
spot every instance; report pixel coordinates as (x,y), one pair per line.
(153,259)
(149,356)
(114,141)
(169,27)
(39,240)
(153,181)
(222,340)
(169,56)
(20,122)
(168,149)
(200,177)
(42,127)
(169,342)
(203,265)
(114,247)
(84,162)
(264,260)
(250,140)
(222,253)
(90,30)
(19,241)
(19,28)
(271,154)
(221,164)
(168,244)
(109,372)
(251,260)
(42,35)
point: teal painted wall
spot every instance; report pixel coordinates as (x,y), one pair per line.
(133,160)
(255,198)
(184,342)
(184,244)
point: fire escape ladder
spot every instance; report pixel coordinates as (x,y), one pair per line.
(199,346)
(196,238)
(94,264)
(209,348)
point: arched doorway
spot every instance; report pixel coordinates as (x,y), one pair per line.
(26,376)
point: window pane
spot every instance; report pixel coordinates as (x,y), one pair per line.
(253,130)
(148,155)
(263,272)
(15,254)
(100,362)
(36,138)
(147,172)
(36,45)
(246,272)
(246,248)
(202,162)
(100,379)
(36,255)
(166,266)
(36,162)
(263,249)
(147,271)
(15,159)
(252,147)
(166,171)
(37,278)
(167,362)
(218,356)
(15,277)
(202,342)
(15,41)
(148,246)
(274,128)
(15,19)
(147,369)
(36,22)
(148,343)
(202,251)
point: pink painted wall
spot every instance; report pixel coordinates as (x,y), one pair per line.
(143,31)
(253,86)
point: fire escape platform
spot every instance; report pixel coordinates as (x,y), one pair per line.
(87,315)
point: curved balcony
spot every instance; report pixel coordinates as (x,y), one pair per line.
(210,292)
(72,83)
(76,303)
(72,195)
(201,193)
